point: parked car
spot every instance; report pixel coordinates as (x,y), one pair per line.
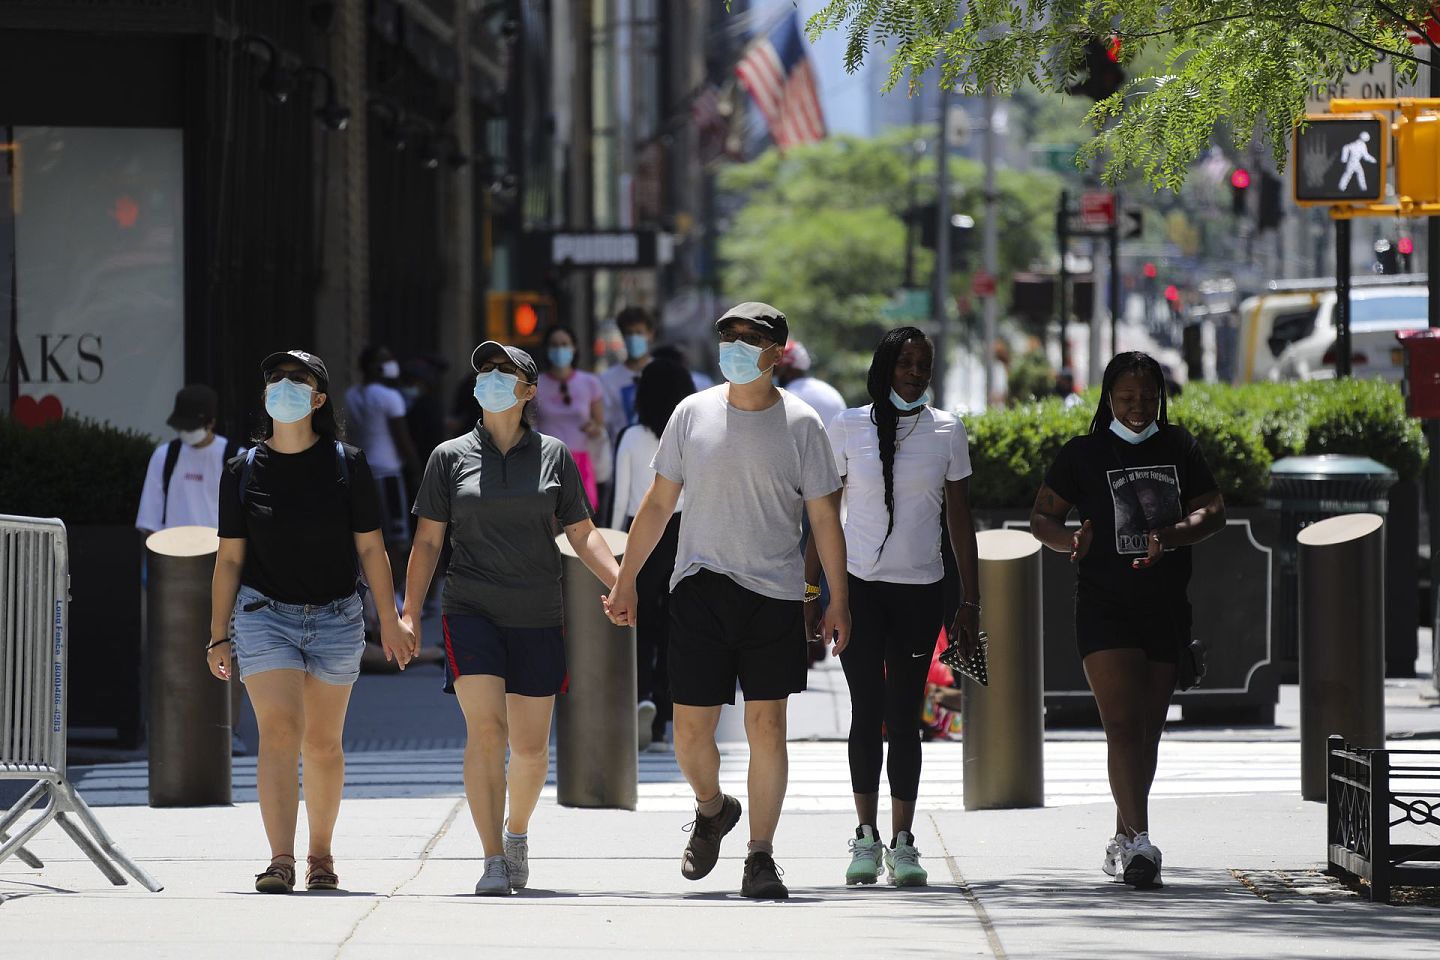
(1376,315)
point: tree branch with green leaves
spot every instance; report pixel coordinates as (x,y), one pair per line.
(1243,65)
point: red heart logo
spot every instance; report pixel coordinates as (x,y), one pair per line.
(30,412)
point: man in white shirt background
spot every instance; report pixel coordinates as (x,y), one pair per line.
(376,411)
(793,373)
(182,482)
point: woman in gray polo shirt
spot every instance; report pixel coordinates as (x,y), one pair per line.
(499,491)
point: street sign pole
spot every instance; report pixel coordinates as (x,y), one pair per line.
(1062,241)
(1432,427)
(941,305)
(1342,298)
(1116,296)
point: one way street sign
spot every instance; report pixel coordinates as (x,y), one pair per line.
(1134,224)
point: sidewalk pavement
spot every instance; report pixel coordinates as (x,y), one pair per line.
(1242,855)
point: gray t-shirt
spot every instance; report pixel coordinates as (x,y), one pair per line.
(502,509)
(747,475)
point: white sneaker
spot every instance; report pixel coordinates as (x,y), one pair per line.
(517,855)
(645,721)
(867,856)
(1141,863)
(496,880)
(1113,852)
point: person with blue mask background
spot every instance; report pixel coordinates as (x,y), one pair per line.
(497,493)
(299,518)
(570,405)
(906,469)
(1144,495)
(637,330)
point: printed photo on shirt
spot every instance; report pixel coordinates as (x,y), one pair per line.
(1146,498)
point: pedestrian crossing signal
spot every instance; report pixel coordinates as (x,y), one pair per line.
(1341,159)
(518,318)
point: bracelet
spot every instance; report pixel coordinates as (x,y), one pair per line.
(970,603)
(812,592)
(215,643)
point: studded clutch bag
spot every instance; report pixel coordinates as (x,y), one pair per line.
(973,666)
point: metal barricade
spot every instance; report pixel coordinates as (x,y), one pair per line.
(34,615)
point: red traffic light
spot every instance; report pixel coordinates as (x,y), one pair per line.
(1406,246)
(1172,293)
(527,320)
(1112,50)
(1240,178)
(1150,271)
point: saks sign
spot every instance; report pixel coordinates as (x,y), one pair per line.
(99,326)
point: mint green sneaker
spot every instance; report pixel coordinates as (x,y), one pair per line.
(866,857)
(903,862)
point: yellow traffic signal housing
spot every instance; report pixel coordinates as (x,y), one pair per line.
(1417,158)
(518,318)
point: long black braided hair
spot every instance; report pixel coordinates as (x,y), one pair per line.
(1121,364)
(884,414)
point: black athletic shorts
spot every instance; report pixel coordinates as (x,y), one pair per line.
(1160,632)
(720,633)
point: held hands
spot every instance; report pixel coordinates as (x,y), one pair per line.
(1153,552)
(221,660)
(1080,542)
(621,603)
(401,640)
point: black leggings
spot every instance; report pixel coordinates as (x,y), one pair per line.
(892,639)
(652,646)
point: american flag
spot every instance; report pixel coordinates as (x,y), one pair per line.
(777,72)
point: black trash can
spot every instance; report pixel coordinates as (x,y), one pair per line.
(1305,490)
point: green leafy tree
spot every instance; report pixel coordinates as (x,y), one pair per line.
(821,234)
(1195,65)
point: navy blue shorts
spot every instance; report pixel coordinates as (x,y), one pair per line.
(531,659)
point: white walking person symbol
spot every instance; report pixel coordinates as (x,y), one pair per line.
(1352,155)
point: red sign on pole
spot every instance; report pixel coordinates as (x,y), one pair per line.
(983,284)
(1097,209)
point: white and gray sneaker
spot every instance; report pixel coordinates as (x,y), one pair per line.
(1141,863)
(867,855)
(1113,852)
(495,882)
(645,723)
(517,855)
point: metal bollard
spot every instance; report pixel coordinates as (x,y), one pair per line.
(189,709)
(1004,739)
(597,751)
(1342,640)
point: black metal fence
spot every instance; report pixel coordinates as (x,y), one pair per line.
(1360,802)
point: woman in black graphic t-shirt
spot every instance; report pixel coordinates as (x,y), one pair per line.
(1144,496)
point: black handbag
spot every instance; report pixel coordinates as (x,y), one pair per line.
(973,666)
(1190,667)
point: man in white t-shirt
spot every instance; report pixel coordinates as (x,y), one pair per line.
(182,483)
(376,411)
(793,373)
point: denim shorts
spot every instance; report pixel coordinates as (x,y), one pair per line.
(325,640)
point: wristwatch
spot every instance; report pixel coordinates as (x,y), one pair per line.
(812,592)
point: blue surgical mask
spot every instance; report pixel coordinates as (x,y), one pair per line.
(562,356)
(1130,436)
(740,362)
(636,345)
(289,402)
(495,391)
(905,406)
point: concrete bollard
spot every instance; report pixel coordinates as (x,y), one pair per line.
(597,741)
(1342,640)
(189,711)
(1004,739)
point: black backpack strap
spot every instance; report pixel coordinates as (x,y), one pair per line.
(172,457)
(341,467)
(245,470)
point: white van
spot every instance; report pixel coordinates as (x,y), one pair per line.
(1377,313)
(1270,322)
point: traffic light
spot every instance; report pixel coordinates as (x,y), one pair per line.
(1239,187)
(518,318)
(962,228)
(1151,272)
(1405,246)
(1103,75)
(1270,211)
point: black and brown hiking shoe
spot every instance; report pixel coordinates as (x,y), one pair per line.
(705,832)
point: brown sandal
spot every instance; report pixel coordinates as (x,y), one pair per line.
(321,874)
(279,877)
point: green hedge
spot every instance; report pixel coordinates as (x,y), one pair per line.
(78,470)
(1242,430)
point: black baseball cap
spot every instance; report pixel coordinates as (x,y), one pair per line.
(763,315)
(306,359)
(195,406)
(522,360)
